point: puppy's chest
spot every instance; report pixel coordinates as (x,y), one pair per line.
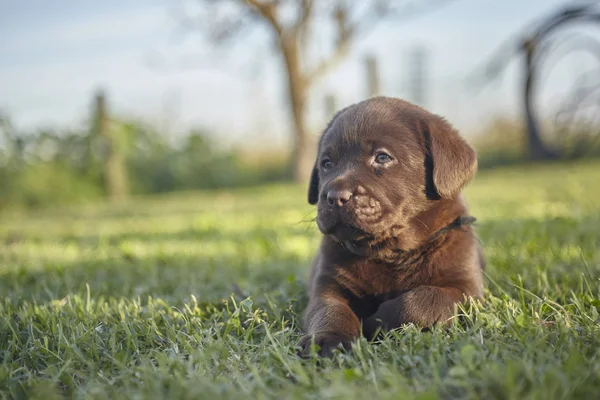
(374,279)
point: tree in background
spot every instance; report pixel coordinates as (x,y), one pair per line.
(537,45)
(292,25)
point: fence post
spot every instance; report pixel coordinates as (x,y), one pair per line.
(330,106)
(115,177)
(372,70)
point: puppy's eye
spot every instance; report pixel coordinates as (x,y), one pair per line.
(326,164)
(382,158)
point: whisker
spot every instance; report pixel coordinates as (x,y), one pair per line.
(422,223)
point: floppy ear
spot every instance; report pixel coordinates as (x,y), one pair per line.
(453,161)
(313,186)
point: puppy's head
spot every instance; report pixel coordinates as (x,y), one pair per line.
(382,162)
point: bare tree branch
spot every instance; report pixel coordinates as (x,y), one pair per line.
(571,43)
(304,14)
(569,123)
(580,96)
(268,10)
(348,32)
(301,27)
(290,24)
(504,55)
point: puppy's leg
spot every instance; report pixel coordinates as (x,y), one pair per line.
(329,322)
(424,306)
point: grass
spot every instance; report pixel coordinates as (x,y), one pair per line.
(199,296)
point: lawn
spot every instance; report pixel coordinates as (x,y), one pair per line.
(199,295)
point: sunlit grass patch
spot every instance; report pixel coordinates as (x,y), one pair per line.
(200,295)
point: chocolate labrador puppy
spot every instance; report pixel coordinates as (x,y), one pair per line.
(398,245)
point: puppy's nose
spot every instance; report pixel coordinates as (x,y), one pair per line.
(337,198)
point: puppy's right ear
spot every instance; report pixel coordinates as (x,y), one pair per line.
(313,186)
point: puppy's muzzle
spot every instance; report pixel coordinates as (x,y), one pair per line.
(337,198)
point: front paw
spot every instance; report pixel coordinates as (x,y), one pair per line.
(327,342)
(373,328)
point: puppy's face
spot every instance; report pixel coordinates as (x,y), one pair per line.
(380,163)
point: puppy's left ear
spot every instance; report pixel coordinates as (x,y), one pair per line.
(454,161)
(313,186)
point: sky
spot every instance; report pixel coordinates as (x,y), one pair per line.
(55,54)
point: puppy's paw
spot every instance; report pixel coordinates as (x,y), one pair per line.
(327,342)
(373,328)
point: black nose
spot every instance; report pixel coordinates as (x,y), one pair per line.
(337,198)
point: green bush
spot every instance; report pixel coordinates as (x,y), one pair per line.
(51,184)
(503,141)
(48,167)
(43,167)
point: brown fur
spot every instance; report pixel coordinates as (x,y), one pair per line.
(398,246)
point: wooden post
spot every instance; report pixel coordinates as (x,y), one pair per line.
(115,178)
(372,70)
(417,77)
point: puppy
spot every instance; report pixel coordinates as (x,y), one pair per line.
(398,246)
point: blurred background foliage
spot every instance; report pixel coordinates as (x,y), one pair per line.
(112,155)
(45,168)
(42,168)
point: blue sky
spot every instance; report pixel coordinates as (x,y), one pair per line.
(55,53)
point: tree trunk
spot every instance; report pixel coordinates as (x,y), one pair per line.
(303,157)
(536,149)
